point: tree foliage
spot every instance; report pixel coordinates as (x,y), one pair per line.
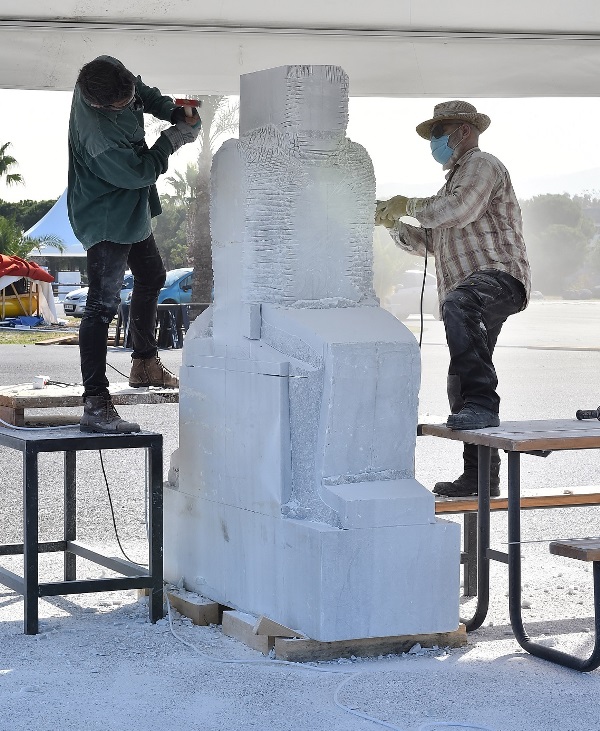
(13,243)
(7,163)
(558,235)
(192,190)
(169,232)
(25,213)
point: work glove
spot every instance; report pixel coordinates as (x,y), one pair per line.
(182,133)
(388,212)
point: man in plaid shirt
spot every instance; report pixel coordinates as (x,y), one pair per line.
(473,229)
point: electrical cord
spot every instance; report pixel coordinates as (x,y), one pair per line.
(428,726)
(427,242)
(117,370)
(112,513)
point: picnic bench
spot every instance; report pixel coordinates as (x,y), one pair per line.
(538,438)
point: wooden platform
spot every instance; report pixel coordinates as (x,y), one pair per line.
(265,635)
(15,400)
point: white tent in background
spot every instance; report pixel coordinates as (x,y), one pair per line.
(56,223)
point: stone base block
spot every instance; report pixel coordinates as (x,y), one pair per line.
(327,583)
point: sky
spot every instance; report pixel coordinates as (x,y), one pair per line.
(540,141)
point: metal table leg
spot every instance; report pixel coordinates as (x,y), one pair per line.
(483,540)
(70,514)
(514,583)
(470,545)
(30,540)
(156,531)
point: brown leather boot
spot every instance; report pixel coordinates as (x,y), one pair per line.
(100,415)
(151,372)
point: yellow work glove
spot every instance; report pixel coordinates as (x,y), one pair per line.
(388,212)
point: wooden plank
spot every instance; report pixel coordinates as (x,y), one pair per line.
(24,396)
(62,340)
(241,627)
(12,416)
(200,610)
(266,626)
(574,496)
(525,436)
(299,650)
(584,549)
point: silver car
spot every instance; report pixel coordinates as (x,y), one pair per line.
(74,302)
(405,299)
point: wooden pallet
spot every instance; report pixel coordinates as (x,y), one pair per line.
(15,400)
(265,635)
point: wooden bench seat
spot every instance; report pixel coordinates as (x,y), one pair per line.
(558,498)
(537,500)
(584,549)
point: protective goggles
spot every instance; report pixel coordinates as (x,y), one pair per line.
(437,130)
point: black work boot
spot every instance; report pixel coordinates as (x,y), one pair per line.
(100,415)
(151,372)
(472,416)
(466,484)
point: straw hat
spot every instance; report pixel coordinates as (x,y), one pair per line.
(456,111)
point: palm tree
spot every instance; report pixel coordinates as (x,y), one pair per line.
(13,243)
(219,116)
(6,163)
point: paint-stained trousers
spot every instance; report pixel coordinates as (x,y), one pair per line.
(106,265)
(473,315)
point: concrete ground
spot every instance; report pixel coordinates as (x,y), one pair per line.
(98,663)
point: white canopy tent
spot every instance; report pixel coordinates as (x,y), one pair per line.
(405,48)
(56,223)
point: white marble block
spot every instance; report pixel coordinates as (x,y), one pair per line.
(296,496)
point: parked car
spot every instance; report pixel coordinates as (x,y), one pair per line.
(177,289)
(74,302)
(405,300)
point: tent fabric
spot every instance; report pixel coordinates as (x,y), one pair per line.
(404,48)
(15,266)
(56,223)
(5,280)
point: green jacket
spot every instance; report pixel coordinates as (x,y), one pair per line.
(112,172)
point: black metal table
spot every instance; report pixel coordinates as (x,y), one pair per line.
(31,442)
(538,438)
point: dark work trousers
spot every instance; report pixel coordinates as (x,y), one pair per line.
(106,264)
(473,315)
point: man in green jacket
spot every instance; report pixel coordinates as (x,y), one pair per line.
(112,199)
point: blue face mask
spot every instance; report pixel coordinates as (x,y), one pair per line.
(441,150)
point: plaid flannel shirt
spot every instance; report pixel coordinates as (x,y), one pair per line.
(475,223)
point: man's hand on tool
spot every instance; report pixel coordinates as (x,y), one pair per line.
(388,212)
(179,115)
(182,133)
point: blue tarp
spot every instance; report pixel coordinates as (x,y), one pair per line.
(56,223)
